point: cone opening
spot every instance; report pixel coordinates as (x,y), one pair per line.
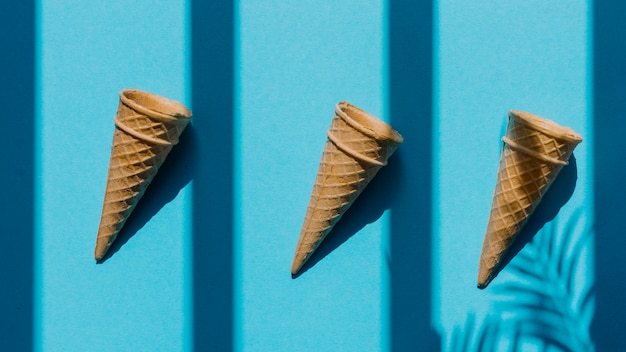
(546,126)
(154,105)
(367,123)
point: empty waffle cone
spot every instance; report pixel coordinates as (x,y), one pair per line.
(147,126)
(358,145)
(534,152)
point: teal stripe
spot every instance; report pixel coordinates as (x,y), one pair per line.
(17,180)
(609,90)
(410,89)
(212,33)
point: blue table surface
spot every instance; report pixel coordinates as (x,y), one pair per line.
(203,263)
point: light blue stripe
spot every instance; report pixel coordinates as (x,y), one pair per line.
(297,60)
(492,57)
(138,299)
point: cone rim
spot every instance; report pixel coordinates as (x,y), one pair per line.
(546,126)
(154,105)
(367,123)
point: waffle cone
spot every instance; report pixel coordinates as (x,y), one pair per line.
(358,145)
(147,126)
(534,152)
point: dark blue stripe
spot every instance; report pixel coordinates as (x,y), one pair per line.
(609,100)
(212,102)
(17,98)
(410,99)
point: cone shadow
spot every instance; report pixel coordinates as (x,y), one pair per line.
(17,179)
(609,90)
(175,173)
(367,208)
(559,193)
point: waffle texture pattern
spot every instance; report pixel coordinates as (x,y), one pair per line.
(147,126)
(534,152)
(358,145)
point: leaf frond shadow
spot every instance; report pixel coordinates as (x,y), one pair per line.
(547,301)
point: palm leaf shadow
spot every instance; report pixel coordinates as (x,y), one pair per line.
(546,301)
(473,337)
(547,298)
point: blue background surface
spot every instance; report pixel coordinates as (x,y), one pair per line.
(203,263)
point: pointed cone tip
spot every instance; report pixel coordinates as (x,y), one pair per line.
(99,254)
(299,259)
(102,247)
(484,278)
(296,266)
